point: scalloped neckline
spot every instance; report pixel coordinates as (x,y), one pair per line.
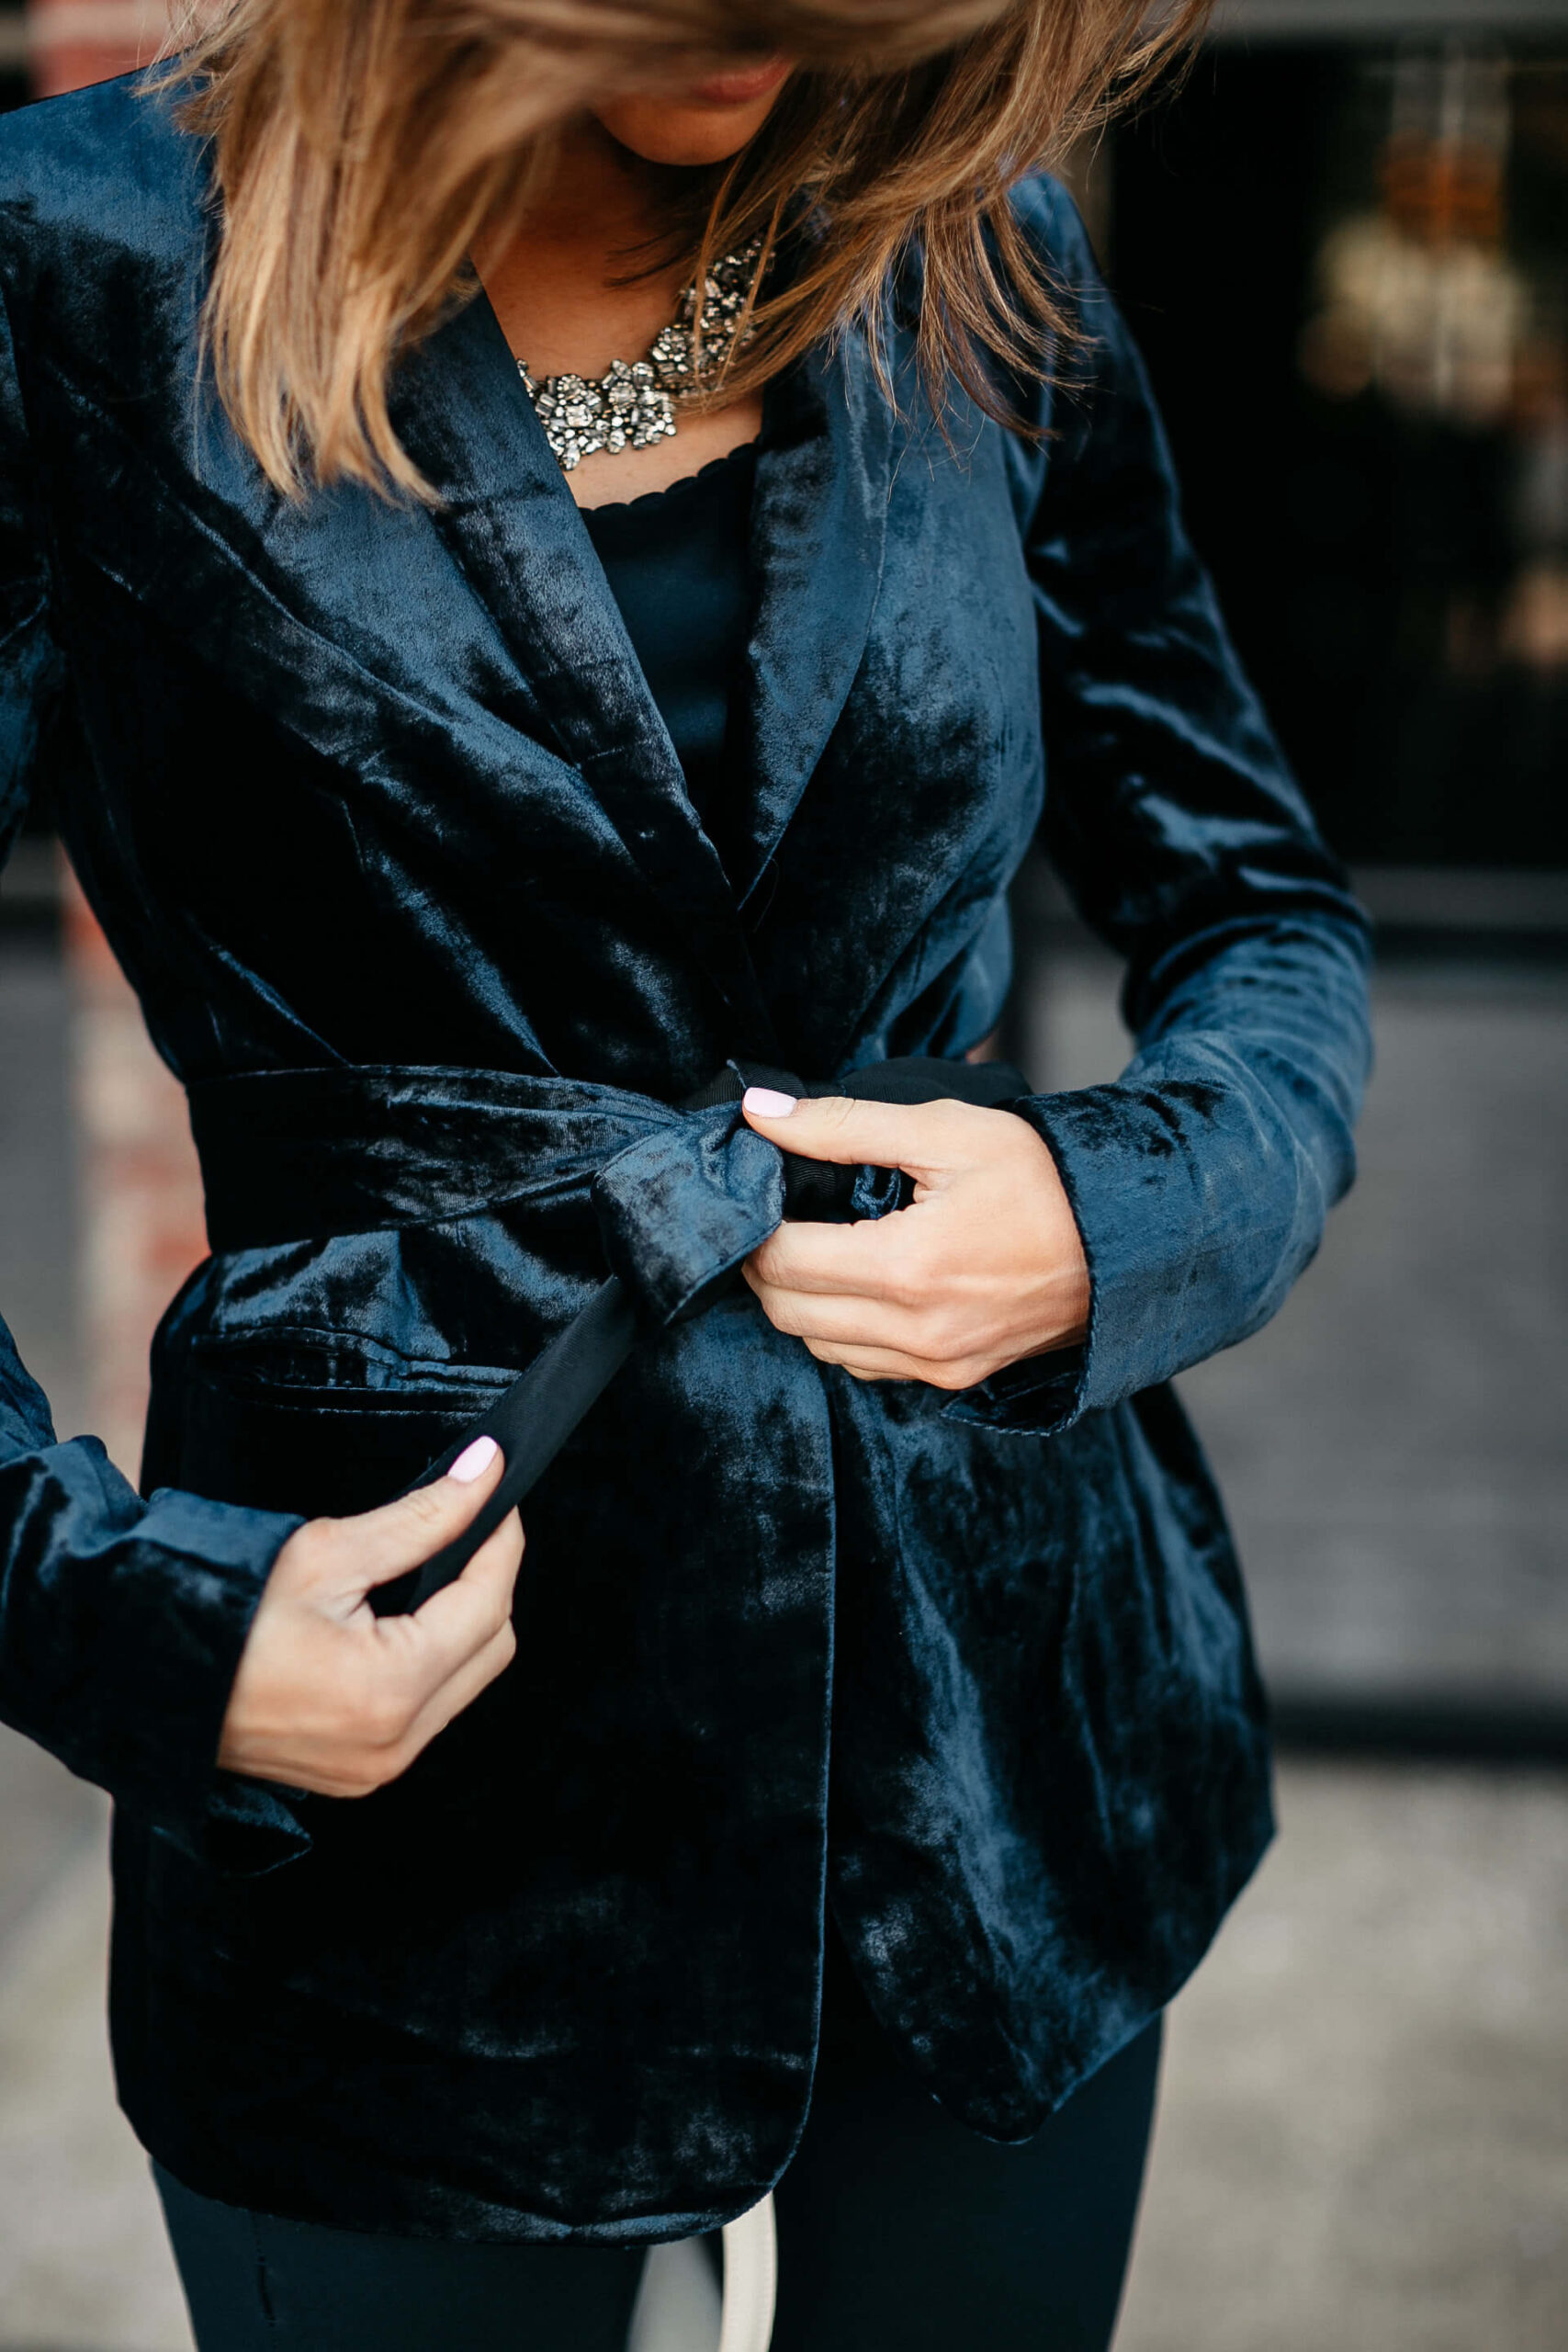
(683,483)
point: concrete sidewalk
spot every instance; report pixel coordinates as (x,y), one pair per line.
(1362,2139)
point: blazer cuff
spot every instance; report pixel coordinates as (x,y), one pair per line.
(1136,1196)
(202,1566)
(1037,1397)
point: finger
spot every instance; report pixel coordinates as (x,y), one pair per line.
(459,1690)
(917,1137)
(456,1625)
(387,1747)
(416,1675)
(463,1614)
(870,1259)
(376,1545)
(845,1320)
(892,1363)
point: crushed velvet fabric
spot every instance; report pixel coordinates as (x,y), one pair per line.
(358,786)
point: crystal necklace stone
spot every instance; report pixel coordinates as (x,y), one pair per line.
(633,403)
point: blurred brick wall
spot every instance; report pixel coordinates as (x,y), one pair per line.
(142,1227)
(74,41)
(141,1215)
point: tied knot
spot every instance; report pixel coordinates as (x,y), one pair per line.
(680,1207)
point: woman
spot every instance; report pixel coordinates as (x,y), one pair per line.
(467,766)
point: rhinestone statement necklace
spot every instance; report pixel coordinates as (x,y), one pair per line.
(633,403)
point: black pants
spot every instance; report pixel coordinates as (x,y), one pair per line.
(898,2231)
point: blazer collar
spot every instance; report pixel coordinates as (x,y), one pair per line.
(512,526)
(818,526)
(516,532)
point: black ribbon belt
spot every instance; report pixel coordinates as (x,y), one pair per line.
(681,1196)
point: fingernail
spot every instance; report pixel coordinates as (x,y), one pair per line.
(767,1103)
(474,1461)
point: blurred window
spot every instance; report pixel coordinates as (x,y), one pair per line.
(1348,267)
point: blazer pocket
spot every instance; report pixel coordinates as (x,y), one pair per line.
(325,1422)
(319,1424)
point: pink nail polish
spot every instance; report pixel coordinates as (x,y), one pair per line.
(474,1461)
(767,1103)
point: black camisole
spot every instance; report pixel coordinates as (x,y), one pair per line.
(678,565)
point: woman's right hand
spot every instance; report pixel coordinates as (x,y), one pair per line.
(331,1697)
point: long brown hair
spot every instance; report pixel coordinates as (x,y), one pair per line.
(362,148)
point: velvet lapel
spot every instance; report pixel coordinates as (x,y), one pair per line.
(516,532)
(818,524)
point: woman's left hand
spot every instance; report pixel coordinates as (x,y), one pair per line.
(984,1267)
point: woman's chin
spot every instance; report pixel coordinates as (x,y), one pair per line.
(701,122)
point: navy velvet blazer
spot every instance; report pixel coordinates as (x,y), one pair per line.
(377,796)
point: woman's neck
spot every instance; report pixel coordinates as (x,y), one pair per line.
(557,287)
(601,203)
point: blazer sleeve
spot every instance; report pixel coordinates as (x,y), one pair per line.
(1201,1178)
(121,1620)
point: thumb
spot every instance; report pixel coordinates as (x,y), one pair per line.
(837,1127)
(399,1535)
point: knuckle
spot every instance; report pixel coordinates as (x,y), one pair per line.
(353,1772)
(496,1621)
(775,1304)
(389,1760)
(397,1761)
(930,1336)
(384,1717)
(498,1556)
(310,1550)
(426,1506)
(906,1289)
(949,1341)
(906,1275)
